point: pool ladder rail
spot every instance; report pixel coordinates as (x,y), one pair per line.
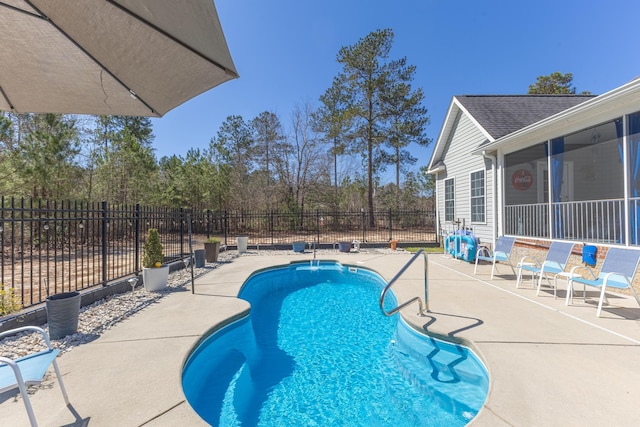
(424,307)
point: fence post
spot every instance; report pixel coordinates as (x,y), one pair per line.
(55,245)
(317,228)
(208,223)
(225,226)
(271,227)
(191,254)
(104,242)
(182,231)
(363,223)
(136,237)
(390,226)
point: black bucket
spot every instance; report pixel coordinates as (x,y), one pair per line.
(62,314)
(199,258)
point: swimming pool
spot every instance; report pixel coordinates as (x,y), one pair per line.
(316,350)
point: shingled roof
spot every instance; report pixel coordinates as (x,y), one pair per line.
(501,115)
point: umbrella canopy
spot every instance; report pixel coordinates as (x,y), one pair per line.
(112,57)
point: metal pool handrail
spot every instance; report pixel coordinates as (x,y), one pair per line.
(423,309)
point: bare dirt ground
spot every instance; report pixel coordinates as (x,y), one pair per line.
(35,274)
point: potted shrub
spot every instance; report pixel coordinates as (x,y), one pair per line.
(155,274)
(344,246)
(63,311)
(299,246)
(211,249)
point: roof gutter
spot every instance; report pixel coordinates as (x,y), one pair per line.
(437,169)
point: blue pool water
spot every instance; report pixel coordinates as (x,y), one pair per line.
(316,350)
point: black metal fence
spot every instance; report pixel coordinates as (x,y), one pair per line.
(325,227)
(50,247)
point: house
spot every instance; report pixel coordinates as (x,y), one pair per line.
(548,167)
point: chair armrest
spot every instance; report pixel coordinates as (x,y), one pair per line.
(12,364)
(483,251)
(577,267)
(528,260)
(16,372)
(28,328)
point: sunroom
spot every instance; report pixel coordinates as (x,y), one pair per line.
(576,175)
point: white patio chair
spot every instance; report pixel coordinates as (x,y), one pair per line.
(501,253)
(554,263)
(29,370)
(618,269)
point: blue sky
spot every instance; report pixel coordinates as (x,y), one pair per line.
(285,50)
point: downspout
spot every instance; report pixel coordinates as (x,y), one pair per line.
(494,184)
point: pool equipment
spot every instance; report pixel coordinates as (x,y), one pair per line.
(462,244)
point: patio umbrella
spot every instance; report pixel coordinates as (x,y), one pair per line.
(112,57)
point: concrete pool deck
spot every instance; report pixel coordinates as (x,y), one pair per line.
(549,364)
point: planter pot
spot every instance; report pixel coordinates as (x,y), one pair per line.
(393,244)
(211,250)
(199,257)
(299,246)
(62,314)
(155,279)
(344,246)
(242,244)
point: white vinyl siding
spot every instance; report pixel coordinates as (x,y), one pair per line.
(464,138)
(477,202)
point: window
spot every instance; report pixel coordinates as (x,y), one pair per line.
(477,197)
(449,195)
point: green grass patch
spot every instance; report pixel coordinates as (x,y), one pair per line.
(427,249)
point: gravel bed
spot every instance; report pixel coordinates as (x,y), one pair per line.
(100,316)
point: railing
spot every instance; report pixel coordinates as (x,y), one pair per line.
(594,221)
(423,308)
(270,228)
(530,220)
(51,247)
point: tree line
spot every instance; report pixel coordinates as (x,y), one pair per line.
(327,157)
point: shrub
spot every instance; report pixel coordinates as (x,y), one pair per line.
(9,301)
(152,250)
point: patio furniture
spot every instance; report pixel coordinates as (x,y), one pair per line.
(553,264)
(618,269)
(28,370)
(501,253)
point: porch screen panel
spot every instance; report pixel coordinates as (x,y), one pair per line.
(591,200)
(526,193)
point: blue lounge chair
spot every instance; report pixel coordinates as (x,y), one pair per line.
(28,370)
(501,253)
(617,272)
(554,263)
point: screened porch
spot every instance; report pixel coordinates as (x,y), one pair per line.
(583,186)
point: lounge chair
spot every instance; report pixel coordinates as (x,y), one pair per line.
(554,263)
(501,253)
(617,272)
(28,370)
